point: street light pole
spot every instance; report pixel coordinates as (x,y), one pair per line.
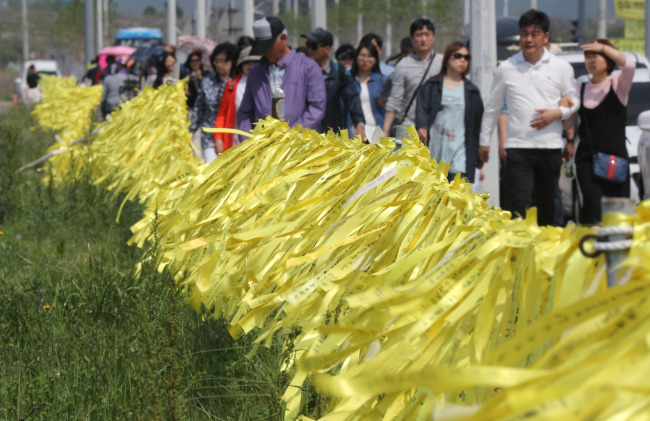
(582,19)
(200,18)
(25,31)
(318,14)
(248,16)
(602,19)
(99,9)
(483,41)
(88,30)
(171,22)
(647,37)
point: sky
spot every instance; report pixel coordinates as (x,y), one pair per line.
(554,8)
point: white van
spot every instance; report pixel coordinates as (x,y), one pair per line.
(43,67)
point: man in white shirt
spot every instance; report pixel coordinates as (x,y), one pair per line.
(532,82)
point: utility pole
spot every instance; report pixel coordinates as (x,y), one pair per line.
(533,4)
(99,9)
(106,10)
(582,19)
(505,8)
(337,26)
(89,29)
(388,45)
(647,40)
(602,19)
(318,14)
(171,22)
(23,5)
(275,7)
(248,17)
(200,18)
(296,9)
(466,13)
(231,25)
(359,23)
(483,40)
(171,32)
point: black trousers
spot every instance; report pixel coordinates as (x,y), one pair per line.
(532,180)
(592,190)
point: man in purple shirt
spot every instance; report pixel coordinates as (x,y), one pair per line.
(298,76)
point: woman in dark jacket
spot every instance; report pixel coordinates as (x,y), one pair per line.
(369,82)
(449,113)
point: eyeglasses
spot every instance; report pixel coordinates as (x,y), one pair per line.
(458,56)
(312,45)
(194,60)
(362,57)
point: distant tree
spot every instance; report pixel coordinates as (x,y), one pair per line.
(149,11)
(69,21)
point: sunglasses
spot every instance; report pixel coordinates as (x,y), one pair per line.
(312,45)
(458,56)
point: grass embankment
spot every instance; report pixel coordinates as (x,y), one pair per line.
(81,336)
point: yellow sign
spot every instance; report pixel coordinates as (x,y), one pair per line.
(634,29)
(630,9)
(637,45)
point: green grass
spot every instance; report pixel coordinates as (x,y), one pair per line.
(81,336)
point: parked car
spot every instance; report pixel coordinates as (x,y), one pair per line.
(43,67)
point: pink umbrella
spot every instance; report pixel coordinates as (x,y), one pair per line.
(114,50)
(191,43)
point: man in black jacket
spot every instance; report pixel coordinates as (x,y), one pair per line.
(342,92)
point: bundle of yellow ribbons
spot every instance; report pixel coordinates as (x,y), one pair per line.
(67,110)
(407,297)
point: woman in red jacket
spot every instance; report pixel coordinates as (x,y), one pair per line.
(232,96)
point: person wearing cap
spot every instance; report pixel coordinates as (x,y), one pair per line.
(410,74)
(231,100)
(281,67)
(342,93)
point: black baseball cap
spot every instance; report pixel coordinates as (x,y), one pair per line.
(266,31)
(320,35)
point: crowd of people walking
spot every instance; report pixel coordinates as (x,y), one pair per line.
(534,101)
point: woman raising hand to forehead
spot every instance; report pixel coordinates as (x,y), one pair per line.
(603,114)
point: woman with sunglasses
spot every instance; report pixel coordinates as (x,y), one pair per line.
(449,113)
(369,81)
(209,97)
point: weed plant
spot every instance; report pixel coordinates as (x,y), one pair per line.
(89,328)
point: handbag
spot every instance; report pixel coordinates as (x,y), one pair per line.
(610,167)
(606,166)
